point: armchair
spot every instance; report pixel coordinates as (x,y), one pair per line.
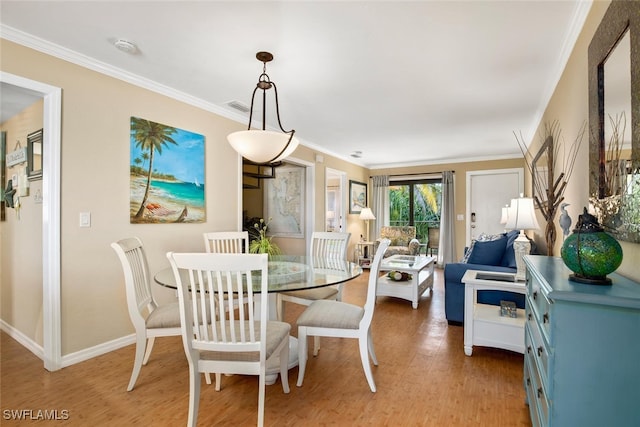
(403,240)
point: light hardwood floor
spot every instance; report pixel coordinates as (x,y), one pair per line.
(423,379)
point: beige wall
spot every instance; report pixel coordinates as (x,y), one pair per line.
(21,239)
(460,180)
(569,105)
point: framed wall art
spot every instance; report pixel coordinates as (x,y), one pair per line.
(167,179)
(357,196)
(284,202)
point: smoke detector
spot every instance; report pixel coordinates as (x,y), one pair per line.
(126,46)
(356,154)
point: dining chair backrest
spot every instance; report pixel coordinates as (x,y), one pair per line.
(329,245)
(213,285)
(133,258)
(374,271)
(227,242)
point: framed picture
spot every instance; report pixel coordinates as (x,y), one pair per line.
(284,202)
(34,155)
(357,196)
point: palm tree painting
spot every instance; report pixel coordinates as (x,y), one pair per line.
(166,174)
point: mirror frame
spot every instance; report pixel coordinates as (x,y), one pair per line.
(619,17)
(34,138)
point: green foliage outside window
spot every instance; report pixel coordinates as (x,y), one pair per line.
(416,203)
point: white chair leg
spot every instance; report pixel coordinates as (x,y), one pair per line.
(372,351)
(218,381)
(364,356)
(150,342)
(316,345)
(194,396)
(279,308)
(207,377)
(261,392)
(284,366)
(302,353)
(138,361)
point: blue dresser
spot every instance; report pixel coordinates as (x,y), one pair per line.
(582,348)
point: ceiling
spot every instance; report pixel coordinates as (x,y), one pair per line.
(405,83)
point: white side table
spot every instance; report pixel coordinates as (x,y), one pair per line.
(364,253)
(483,324)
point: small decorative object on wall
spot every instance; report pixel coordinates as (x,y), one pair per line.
(34,155)
(167,174)
(548,189)
(3,173)
(357,196)
(284,202)
(590,252)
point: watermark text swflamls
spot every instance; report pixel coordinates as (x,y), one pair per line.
(36,414)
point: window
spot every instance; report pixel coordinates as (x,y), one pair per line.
(416,203)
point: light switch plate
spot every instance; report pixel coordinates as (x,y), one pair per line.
(85,219)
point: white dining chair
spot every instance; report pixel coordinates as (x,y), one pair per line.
(227,242)
(328,318)
(234,341)
(325,247)
(149,319)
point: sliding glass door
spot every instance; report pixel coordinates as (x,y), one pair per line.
(416,203)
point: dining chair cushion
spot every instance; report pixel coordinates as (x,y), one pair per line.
(276,332)
(326,292)
(165,316)
(331,314)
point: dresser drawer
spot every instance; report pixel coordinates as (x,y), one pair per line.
(537,351)
(540,307)
(536,396)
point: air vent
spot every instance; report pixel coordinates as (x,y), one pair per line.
(238,106)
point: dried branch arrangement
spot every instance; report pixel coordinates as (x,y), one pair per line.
(615,170)
(548,190)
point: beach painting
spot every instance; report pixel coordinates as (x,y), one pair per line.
(166,174)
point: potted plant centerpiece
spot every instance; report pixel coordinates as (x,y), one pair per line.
(263,244)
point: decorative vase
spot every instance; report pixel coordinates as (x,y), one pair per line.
(590,252)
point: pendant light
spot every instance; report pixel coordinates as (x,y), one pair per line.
(264,146)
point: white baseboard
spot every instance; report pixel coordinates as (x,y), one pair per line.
(71,358)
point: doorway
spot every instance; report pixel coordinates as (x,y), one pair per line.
(335,182)
(52,96)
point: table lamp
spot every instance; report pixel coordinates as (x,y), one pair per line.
(521,216)
(367,215)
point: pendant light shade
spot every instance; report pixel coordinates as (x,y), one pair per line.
(264,146)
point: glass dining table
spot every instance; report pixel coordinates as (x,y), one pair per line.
(289,273)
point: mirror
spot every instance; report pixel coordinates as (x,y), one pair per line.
(614,118)
(34,155)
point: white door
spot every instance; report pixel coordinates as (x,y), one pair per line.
(487,193)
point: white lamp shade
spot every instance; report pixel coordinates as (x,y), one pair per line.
(261,146)
(366,214)
(522,215)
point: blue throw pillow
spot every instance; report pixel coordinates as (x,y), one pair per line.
(488,253)
(509,257)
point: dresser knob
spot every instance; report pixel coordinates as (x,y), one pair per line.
(539,392)
(540,351)
(529,316)
(545,318)
(528,381)
(529,349)
(535,295)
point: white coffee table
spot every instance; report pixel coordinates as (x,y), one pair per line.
(421,269)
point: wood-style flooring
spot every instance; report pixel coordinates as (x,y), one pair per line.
(423,379)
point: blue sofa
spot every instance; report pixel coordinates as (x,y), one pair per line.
(488,253)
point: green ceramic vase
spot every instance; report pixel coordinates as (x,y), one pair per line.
(590,252)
